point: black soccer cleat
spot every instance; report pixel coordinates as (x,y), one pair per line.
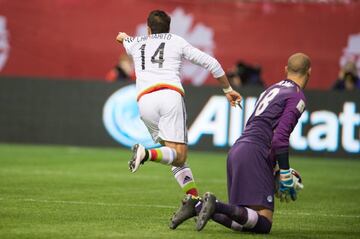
(207,210)
(186,211)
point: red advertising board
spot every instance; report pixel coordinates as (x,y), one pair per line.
(76,38)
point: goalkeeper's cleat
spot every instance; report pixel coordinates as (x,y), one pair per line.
(137,158)
(207,210)
(186,211)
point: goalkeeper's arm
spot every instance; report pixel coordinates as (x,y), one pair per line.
(286,189)
(280,147)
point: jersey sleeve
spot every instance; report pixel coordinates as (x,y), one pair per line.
(128,43)
(200,58)
(294,107)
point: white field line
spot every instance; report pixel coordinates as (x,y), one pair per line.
(163,206)
(45,172)
(316,214)
(87,203)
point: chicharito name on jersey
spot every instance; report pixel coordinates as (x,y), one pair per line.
(161,36)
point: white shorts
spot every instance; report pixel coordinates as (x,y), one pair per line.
(164,114)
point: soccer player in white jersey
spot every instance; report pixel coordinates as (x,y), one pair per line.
(157,58)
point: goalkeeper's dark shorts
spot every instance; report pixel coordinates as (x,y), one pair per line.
(250,176)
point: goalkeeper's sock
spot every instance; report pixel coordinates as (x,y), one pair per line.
(238,218)
(184,177)
(263,225)
(164,155)
(236,213)
(245,219)
(221,219)
(226,221)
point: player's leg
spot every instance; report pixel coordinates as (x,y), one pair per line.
(152,108)
(255,221)
(191,207)
(185,179)
(251,183)
(252,187)
(246,218)
(216,216)
(181,171)
(252,219)
(238,218)
(226,221)
(262,226)
(174,154)
(166,122)
(181,150)
(171,154)
(164,155)
(264,221)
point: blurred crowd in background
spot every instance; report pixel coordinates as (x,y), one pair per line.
(242,74)
(348,78)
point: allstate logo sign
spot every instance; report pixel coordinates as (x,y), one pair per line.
(122,119)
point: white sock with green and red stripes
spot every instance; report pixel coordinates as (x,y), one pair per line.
(164,155)
(184,177)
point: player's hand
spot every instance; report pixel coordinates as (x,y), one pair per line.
(234,98)
(287,191)
(121,37)
(298,186)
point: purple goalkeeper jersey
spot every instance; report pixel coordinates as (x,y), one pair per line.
(276,113)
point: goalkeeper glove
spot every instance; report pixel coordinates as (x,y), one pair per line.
(287,190)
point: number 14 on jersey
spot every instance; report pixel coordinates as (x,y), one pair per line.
(154,60)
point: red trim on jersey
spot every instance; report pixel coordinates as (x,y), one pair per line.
(160,87)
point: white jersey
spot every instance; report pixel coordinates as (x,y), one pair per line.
(158,57)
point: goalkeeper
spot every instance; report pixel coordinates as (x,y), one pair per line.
(252,159)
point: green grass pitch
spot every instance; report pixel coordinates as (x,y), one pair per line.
(71,192)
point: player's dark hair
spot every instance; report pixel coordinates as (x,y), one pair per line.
(159,22)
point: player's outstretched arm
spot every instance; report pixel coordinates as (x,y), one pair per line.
(121,37)
(198,57)
(233,96)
